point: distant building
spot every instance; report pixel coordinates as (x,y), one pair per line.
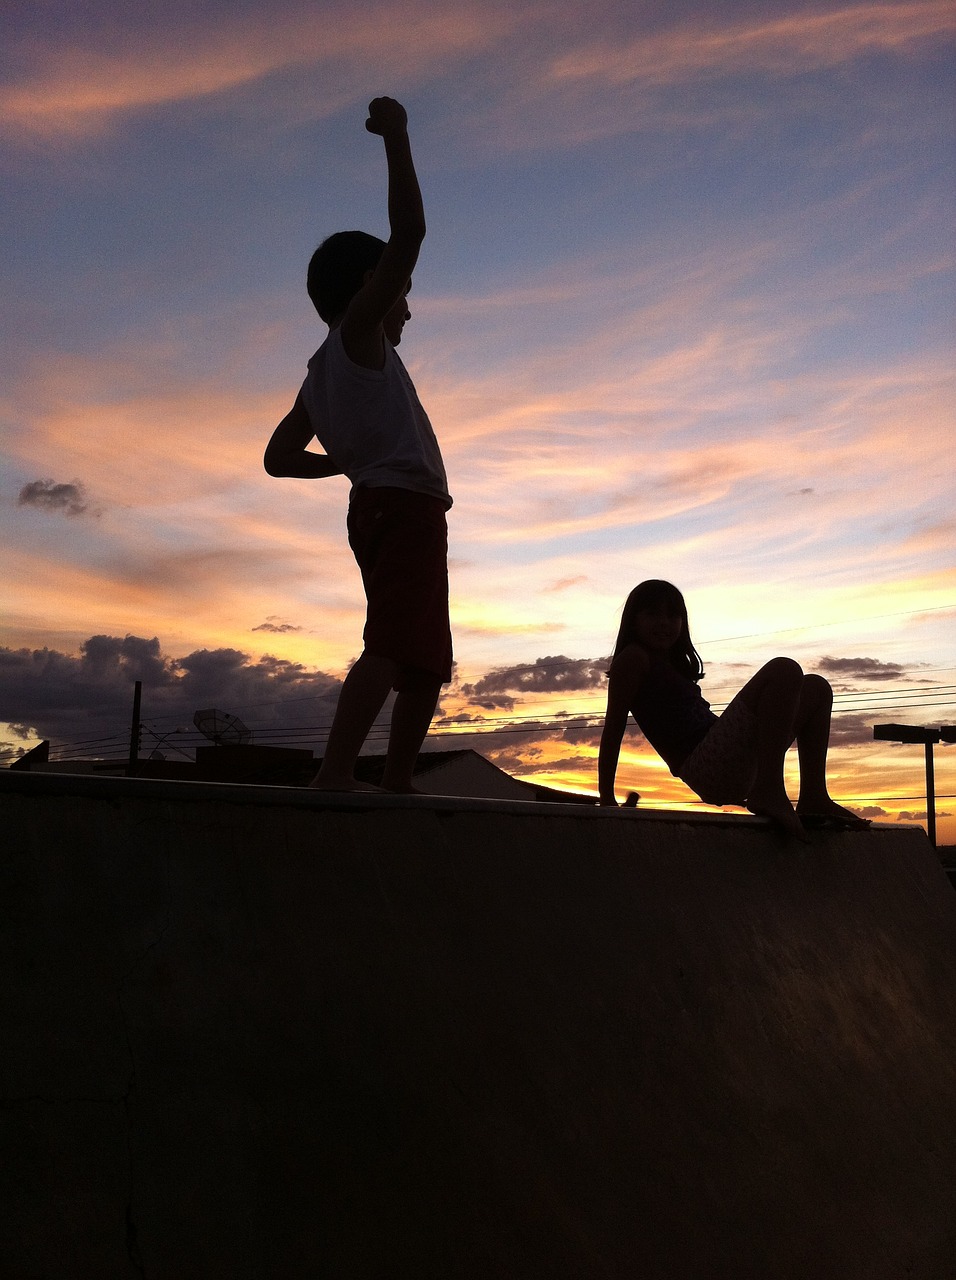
(466,773)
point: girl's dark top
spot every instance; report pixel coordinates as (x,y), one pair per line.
(672,713)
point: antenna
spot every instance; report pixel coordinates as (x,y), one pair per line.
(221,728)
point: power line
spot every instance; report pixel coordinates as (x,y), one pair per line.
(543,665)
(883,700)
(548,722)
(532,717)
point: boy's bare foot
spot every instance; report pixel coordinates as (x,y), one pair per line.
(403,789)
(777,807)
(319,783)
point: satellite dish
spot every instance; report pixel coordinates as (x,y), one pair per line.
(220,727)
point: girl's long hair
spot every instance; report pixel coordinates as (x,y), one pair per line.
(647,595)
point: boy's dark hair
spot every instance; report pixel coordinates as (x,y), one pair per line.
(337,270)
(648,595)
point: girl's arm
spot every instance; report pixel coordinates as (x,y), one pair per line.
(627,672)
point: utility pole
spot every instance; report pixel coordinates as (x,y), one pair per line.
(927,736)
(134,731)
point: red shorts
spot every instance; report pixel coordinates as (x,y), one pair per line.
(400,541)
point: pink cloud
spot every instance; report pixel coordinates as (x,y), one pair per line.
(786,46)
(82,88)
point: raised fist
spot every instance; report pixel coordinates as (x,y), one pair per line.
(385,115)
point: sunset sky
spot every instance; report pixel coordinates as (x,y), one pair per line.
(685,309)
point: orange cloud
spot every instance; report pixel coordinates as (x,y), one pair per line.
(939,535)
(568,460)
(646,436)
(195,594)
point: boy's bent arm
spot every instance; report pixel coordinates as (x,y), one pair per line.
(286,453)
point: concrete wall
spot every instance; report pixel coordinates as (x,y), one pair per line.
(255,1032)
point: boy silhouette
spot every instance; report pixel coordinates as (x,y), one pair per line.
(359,402)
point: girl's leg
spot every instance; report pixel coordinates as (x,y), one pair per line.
(774,695)
(813,742)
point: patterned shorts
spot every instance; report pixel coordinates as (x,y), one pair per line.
(722,767)
(400,540)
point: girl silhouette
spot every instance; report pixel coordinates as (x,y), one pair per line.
(733,759)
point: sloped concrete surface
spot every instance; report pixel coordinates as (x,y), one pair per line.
(255,1032)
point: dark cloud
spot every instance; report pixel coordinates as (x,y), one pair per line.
(497,702)
(87,698)
(512,760)
(520,763)
(444,721)
(509,741)
(545,675)
(861,669)
(46,495)
(276,628)
(583,732)
(851,729)
(920,815)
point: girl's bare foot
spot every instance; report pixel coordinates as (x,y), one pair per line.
(777,807)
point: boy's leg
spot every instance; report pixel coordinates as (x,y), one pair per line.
(363,695)
(412,713)
(400,541)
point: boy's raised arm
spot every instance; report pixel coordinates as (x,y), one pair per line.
(406,214)
(389,282)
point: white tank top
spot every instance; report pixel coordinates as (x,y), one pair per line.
(371,423)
